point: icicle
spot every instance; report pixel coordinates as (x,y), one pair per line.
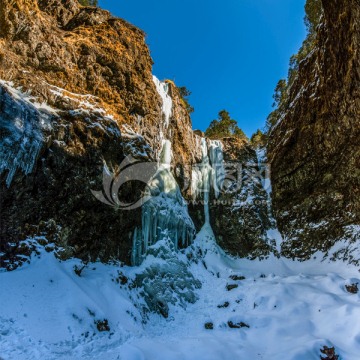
(196,182)
(137,248)
(206,176)
(166,154)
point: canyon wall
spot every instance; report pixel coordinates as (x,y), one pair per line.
(314,150)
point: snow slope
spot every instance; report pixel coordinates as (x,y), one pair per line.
(292,310)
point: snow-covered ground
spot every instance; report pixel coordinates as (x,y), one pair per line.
(292,309)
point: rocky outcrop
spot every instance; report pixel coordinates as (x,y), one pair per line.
(78,96)
(314,151)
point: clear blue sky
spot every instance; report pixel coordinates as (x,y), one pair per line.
(229,53)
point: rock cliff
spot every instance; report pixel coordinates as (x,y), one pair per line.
(314,150)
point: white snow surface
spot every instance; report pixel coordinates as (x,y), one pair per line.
(293,309)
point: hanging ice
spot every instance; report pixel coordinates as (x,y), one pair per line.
(166,154)
(206,176)
(165,214)
(21,125)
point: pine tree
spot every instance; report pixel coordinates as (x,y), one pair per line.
(280,97)
(313,12)
(258,139)
(224,126)
(185,93)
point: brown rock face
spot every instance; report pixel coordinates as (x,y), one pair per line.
(93,72)
(81,50)
(315,151)
(85,50)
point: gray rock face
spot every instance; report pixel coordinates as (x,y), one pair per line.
(314,151)
(240,217)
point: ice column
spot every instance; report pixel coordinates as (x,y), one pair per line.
(209,174)
(217,164)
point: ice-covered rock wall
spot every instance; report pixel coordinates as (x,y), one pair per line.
(22,123)
(108,109)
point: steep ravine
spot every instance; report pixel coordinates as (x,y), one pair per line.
(78,97)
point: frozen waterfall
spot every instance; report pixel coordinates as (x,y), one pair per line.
(206,171)
(166,213)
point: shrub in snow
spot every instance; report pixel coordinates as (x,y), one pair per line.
(78,269)
(237,277)
(224,305)
(329,352)
(352,288)
(14,255)
(230,287)
(121,279)
(237,325)
(102,325)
